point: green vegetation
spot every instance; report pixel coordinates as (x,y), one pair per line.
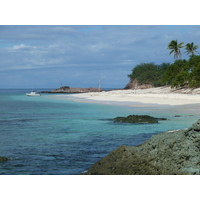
(175,48)
(191,48)
(181,73)
(149,73)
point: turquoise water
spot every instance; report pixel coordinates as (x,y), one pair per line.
(45,135)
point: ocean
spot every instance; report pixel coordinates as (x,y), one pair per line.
(50,136)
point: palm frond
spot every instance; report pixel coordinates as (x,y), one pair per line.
(175,48)
(180,45)
(191,48)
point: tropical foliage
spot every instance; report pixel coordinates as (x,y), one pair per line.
(149,73)
(191,48)
(175,48)
(183,73)
(169,77)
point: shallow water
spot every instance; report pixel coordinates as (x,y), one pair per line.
(45,135)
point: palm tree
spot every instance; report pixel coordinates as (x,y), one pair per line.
(191,48)
(175,48)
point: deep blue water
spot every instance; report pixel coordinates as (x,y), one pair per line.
(44,135)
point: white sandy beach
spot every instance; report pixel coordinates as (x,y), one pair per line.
(161,95)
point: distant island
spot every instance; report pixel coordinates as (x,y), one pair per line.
(67,89)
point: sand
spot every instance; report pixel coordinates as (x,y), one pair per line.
(160,95)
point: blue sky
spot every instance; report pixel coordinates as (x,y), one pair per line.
(78,55)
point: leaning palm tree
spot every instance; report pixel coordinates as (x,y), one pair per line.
(191,48)
(175,48)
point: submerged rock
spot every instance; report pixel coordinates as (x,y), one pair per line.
(173,152)
(2,159)
(139,119)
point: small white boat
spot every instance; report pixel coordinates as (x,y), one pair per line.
(33,93)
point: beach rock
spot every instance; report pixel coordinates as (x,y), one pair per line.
(67,89)
(138,119)
(2,159)
(170,153)
(134,84)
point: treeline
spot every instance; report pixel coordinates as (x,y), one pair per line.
(182,73)
(149,73)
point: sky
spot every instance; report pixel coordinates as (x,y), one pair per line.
(48,56)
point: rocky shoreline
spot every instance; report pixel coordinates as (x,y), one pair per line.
(67,89)
(170,153)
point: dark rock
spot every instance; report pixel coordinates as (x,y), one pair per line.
(2,159)
(173,152)
(196,126)
(138,119)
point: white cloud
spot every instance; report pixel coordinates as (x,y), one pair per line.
(103,51)
(19,46)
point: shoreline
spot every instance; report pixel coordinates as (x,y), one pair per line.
(152,96)
(169,153)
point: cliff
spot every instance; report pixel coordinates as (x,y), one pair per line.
(134,84)
(173,152)
(67,89)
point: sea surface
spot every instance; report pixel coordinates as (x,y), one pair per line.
(51,136)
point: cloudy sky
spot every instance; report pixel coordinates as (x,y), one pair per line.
(47,56)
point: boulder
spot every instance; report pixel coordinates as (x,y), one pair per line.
(170,153)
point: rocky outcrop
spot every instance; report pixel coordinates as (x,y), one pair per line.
(67,89)
(138,119)
(133,84)
(2,159)
(173,152)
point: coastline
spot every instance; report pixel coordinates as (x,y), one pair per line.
(159,96)
(168,153)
